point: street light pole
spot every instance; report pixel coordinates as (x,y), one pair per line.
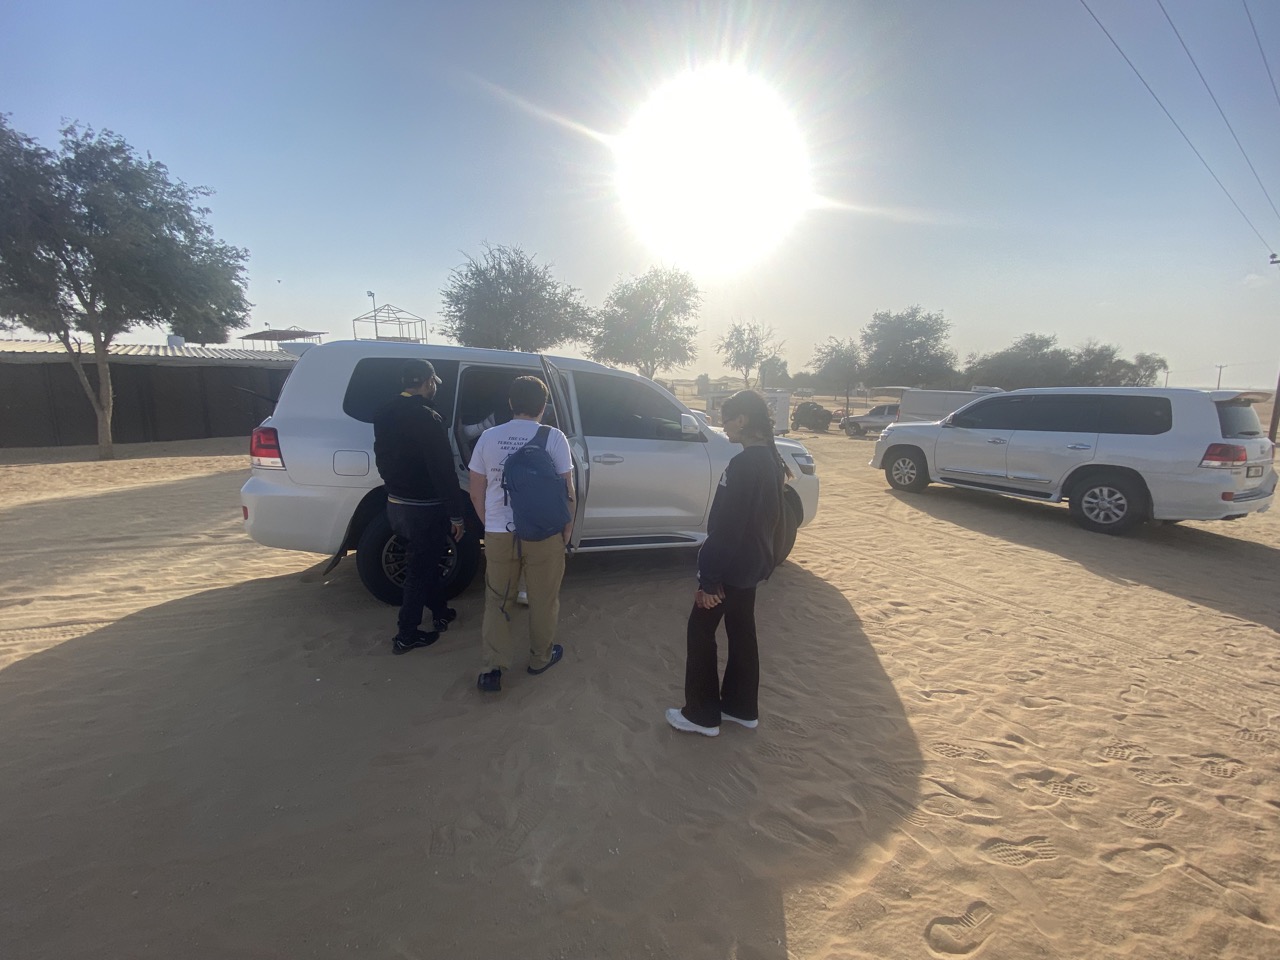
(1275,397)
(369,294)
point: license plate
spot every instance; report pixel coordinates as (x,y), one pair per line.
(1253,471)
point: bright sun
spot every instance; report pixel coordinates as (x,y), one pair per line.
(712,171)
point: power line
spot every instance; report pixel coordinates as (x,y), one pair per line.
(1222,113)
(1138,74)
(1258,39)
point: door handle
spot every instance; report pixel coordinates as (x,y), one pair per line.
(996,440)
(1079,446)
(607,458)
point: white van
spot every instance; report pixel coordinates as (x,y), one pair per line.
(646,467)
(928,406)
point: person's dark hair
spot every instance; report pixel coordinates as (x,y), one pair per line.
(759,423)
(528,396)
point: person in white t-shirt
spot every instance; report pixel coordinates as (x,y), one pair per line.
(540,563)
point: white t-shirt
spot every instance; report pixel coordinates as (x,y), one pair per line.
(491,452)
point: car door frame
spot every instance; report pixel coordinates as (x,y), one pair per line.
(570,424)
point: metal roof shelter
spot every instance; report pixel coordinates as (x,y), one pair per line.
(51,351)
(288,335)
(389,322)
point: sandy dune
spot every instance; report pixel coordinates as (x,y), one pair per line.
(986,733)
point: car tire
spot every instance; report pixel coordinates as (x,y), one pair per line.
(855,430)
(791,525)
(380,562)
(1112,503)
(905,469)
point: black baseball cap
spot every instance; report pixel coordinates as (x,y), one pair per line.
(415,372)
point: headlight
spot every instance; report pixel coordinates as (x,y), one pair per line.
(805,462)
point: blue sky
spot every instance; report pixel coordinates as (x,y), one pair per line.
(993,159)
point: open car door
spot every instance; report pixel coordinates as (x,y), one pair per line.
(568,423)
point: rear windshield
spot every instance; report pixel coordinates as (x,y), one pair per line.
(1238,419)
(375,380)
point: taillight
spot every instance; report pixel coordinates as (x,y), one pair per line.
(264,448)
(1224,455)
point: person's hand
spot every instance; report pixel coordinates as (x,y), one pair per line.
(459,530)
(706,600)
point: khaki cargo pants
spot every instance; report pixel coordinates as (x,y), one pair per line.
(542,564)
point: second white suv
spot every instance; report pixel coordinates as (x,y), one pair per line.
(646,467)
(1119,455)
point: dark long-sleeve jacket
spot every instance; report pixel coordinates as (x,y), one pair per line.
(412,451)
(744,515)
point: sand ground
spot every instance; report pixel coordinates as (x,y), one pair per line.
(985,732)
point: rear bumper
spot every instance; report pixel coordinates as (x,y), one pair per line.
(291,516)
(1200,497)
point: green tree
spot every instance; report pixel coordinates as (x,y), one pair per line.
(773,373)
(1147,368)
(838,364)
(648,322)
(908,348)
(746,346)
(508,301)
(1095,364)
(1033,360)
(95,241)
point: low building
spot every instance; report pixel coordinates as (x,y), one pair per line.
(177,392)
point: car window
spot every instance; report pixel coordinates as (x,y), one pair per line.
(1238,419)
(375,380)
(1142,416)
(620,407)
(1064,414)
(999,413)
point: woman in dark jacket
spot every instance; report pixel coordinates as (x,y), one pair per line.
(745,521)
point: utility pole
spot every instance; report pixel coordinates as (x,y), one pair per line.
(1220,367)
(1275,397)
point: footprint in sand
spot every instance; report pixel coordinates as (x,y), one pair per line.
(1039,703)
(1024,676)
(1136,693)
(953,751)
(1215,765)
(1057,785)
(1252,736)
(1123,750)
(1159,811)
(942,696)
(1013,853)
(1141,862)
(1237,805)
(948,806)
(958,936)
(1157,778)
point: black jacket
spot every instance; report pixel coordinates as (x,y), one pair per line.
(411,448)
(744,517)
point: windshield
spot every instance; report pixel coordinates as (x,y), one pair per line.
(1238,419)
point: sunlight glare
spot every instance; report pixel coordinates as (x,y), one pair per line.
(712,171)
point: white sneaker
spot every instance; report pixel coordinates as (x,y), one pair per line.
(749,724)
(681,722)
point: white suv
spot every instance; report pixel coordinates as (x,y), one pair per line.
(646,467)
(1120,455)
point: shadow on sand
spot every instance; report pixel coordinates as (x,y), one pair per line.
(248,772)
(1200,562)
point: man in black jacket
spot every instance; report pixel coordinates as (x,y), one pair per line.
(424,501)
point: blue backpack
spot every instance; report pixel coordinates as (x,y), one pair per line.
(535,490)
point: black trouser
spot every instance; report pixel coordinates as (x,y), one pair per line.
(424,531)
(704,696)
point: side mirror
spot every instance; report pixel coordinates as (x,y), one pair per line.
(689,425)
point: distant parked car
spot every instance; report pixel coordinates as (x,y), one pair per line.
(812,416)
(873,421)
(1119,455)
